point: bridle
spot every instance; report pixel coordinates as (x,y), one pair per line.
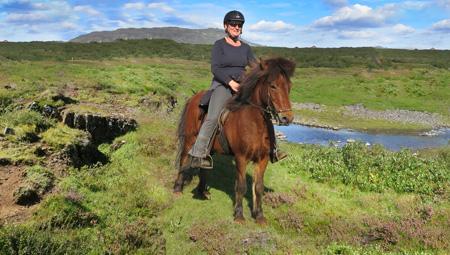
(270,110)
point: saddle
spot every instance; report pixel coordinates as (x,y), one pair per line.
(204,102)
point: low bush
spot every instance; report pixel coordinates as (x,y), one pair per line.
(374,169)
(29,240)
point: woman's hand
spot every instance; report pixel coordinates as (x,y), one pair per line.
(234,85)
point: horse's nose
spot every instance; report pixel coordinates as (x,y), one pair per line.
(287,119)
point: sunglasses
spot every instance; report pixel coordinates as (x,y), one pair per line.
(233,24)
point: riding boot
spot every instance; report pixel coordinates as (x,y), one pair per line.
(203,163)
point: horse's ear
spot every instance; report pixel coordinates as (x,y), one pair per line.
(262,64)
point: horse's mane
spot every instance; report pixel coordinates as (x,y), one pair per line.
(268,70)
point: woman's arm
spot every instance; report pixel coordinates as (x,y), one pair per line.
(217,71)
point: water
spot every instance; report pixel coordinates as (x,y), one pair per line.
(322,136)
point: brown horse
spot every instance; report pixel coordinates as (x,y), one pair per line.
(264,91)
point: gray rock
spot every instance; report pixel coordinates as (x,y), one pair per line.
(8,131)
(101,128)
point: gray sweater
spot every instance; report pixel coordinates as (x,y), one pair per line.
(228,62)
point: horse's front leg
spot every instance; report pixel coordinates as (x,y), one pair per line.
(240,188)
(258,190)
(202,187)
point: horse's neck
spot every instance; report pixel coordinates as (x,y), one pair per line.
(257,98)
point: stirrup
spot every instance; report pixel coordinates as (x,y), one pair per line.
(278,155)
(203,163)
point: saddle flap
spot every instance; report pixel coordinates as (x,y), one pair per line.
(220,131)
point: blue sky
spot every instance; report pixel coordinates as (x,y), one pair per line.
(326,23)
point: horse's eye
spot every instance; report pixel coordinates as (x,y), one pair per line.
(273,86)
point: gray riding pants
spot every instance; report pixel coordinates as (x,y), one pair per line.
(218,99)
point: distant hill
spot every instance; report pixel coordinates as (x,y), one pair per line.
(182,35)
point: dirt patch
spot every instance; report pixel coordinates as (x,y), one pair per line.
(291,220)
(11,177)
(422,225)
(383,232)
(344,230)
(218,238)
(276,199)
(212,238)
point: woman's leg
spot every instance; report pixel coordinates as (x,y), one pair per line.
(201,146)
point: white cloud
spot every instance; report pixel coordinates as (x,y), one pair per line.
(442,26)
(356,16)
(271,26)
(403,29)
(69,25)
(336,3)
(86,9)
(162,7)
(137,6)
(27,17)
(357,34)
(444,3)
(258,37)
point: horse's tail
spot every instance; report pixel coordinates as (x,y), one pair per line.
(181,136)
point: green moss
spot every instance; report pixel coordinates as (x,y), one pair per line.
(64,212)
(25,118)
(19,153)
(60,136)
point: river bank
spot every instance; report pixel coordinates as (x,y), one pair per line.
(360,118)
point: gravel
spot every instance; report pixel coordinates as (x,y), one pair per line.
(426,118)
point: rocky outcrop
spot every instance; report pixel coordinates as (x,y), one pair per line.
(101,128)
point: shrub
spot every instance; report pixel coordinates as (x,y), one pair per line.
(28,240)
(374,169)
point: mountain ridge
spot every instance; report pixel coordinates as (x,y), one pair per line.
(178,34)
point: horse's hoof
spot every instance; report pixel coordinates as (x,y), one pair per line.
(239,220)
(177,193)
(202,196)
(261,221)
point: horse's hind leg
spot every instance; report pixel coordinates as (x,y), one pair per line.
(258,190)
(240,188)
(183,176)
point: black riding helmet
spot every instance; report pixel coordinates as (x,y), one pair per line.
(233,16)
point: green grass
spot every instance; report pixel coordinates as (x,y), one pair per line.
(129,80)
(126,206)
(417,89)
(61,136)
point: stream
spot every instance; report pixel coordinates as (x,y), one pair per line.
(323,136)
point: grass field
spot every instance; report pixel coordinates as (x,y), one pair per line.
(419,88)
(321,200)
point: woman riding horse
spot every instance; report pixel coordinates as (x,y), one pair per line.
(264,93)
(229,58)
